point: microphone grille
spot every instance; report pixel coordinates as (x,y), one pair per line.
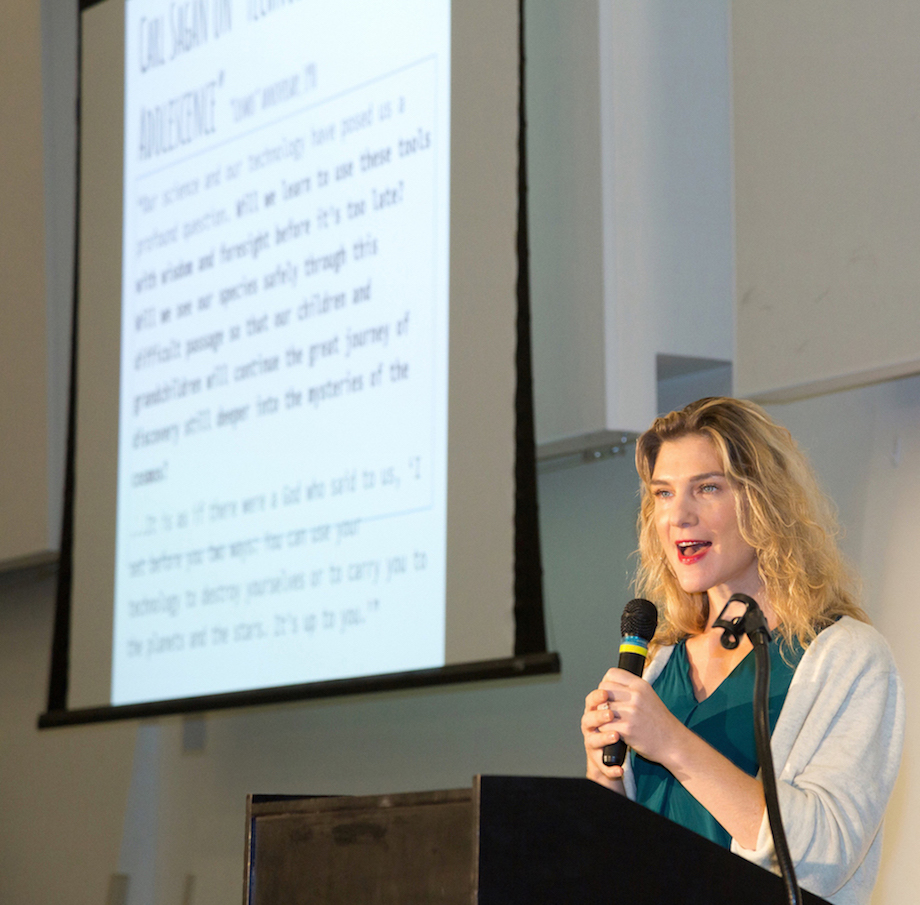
(640,618)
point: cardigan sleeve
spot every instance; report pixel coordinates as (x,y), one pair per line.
(836,750)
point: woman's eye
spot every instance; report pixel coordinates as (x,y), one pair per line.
(662,493)
(709,488)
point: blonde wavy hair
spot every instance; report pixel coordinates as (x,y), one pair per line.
(782,514)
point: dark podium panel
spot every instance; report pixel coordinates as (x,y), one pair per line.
(409,848)
(506,841)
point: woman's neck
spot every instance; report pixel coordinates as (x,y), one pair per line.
(718,599)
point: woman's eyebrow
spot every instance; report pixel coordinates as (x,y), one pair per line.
(696,477)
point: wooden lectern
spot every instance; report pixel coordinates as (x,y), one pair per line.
(506,841)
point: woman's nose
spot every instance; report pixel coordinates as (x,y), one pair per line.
(683,512)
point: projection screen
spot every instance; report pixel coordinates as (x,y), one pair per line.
(297,410)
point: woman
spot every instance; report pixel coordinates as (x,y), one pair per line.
(729,504)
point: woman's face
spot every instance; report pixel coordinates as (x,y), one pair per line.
(697,522)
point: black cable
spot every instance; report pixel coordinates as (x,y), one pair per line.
(754,625)
(768,775)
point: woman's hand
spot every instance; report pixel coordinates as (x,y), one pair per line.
(625,706)
(639,716)
(598,731)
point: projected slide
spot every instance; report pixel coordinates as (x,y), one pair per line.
(283,385)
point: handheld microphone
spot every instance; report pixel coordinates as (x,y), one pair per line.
(637,626)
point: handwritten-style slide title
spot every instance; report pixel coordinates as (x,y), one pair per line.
(182,28)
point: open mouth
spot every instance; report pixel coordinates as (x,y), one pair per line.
(690,550)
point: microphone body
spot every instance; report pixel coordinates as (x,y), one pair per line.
(637,626)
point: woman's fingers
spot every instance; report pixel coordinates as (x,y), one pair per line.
(599,740)
(594,721)
(596,698)
(598,724)
(620,678)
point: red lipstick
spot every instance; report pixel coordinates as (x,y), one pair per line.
(691,551)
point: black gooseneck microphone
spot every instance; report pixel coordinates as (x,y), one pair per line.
(637,626)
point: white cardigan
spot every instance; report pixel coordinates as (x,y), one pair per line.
(836,750)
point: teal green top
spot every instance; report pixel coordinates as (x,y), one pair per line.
(725,720)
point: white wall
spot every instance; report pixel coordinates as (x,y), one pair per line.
(629,144)
(827,205)
(24,527)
